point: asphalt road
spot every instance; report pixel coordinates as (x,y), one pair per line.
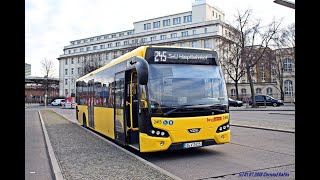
(250,150)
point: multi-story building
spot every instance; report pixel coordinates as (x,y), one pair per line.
(273,75)
(200,27)
(27,69)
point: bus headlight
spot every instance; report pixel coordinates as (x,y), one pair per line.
(223,127)
(158,133)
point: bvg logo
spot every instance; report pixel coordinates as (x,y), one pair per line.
(194,130)
(218,118)
(157,122)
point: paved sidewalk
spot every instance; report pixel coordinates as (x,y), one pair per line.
(37,162)
(246,107)
(81,155)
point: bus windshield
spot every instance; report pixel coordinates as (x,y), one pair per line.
(178,85)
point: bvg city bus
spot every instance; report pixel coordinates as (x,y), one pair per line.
(157,98)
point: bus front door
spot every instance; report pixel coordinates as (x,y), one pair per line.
(119,107)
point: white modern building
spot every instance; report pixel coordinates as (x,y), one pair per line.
(199,27)
(27,69)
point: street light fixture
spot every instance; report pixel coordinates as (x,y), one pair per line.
(285,3)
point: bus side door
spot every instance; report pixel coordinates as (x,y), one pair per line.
(119,108)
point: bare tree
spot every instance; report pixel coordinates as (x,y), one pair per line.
(47,67)
(230,56)
(246,45)
(254,40)
(48,70)
(285,44)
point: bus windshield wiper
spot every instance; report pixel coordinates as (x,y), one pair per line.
(214,107)
(176,108)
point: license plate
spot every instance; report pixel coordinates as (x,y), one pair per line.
(193,144)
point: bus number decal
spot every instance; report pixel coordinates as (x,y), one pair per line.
(160,56)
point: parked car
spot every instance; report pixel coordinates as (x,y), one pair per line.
(267,100)
(57,102)
(69,103)
(235,103)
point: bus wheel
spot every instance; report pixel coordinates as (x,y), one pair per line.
(84,121)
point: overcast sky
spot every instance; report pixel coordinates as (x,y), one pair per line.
(52,24)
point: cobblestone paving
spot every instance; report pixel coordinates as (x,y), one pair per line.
(81,155)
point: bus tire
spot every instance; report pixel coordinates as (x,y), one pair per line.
(84,121)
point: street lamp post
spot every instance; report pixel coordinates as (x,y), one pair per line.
(285,3)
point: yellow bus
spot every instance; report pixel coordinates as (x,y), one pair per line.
(157,98)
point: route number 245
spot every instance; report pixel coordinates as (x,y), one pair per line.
(160,56)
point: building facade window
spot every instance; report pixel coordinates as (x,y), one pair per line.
(125,42)
(194,44)
(153,38)
(243,92)
(66,62)
(166,22)
(156,24)
(185,33)
(109,45)
(205,30)
(88,48)
(121,34)
(72,70)
(71,60)
(269,91)
(113,36)
(81,49)
(258,91)
(78,70)
(144,40)
(66,81)
(98,38)
(194,32)
(206,43)
(129,33)
(147,26)
(287,65)
(288,87)
(66,71)
(173,35)
(69,51)
(94,47)
(176,20)
(102,46)
(162,37)
(117,44)
(91,39)
(233,93)
(78,60)
(263,76)
(187,19)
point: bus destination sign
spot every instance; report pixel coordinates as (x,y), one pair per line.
(164,57)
